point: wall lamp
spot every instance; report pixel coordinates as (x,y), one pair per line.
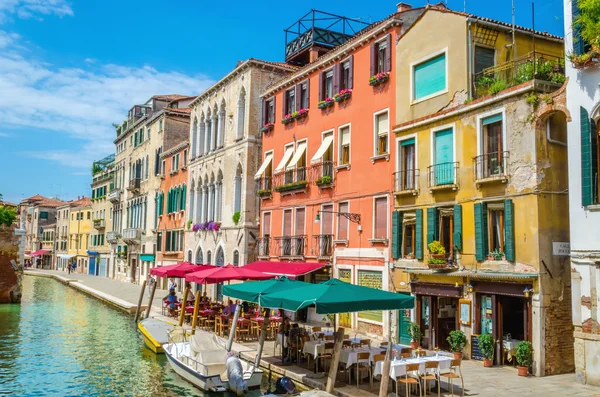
(527,292)
(352,217)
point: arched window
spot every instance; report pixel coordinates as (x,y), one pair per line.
(221,134)
(199,257)
(237,184)
(201,136)
(220,259)
(236,258)
(189,256)
(209,258)
(194,139)
(241,115)
(219,197)
(208,132)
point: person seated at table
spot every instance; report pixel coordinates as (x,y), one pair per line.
(245,307)
(285,327)
(172,284)
(230,309)
(205,298)
(190,296)
(172,299)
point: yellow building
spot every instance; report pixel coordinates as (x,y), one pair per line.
(80,227)
(481,169)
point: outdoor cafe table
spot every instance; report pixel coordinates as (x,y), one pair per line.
(398,367)
(316,347)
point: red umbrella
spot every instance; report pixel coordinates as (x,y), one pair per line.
(178,269)
(218,274)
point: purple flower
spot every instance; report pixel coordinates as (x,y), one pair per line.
(196,227)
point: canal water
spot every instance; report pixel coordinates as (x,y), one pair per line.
(60,342)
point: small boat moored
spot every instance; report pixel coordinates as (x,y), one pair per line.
(155,333)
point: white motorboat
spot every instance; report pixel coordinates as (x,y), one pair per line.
(204,362)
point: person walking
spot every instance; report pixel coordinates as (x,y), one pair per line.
(69,268)
(151,282)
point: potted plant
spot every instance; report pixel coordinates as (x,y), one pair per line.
(189,224)
(486,345)
(324,180)
(300,114)
(524,353)
(327,102)
(288,118)
(379,78)
(437,255)
(457,341)
(264,193)
(343,95)
(267,127)
(415,334)
(236,217)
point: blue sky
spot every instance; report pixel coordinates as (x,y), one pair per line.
(69,69)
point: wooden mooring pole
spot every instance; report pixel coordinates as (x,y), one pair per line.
(151,299)
(335,361)
(139,305)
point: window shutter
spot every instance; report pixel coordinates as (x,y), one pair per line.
(350,71)
(431,224)
(373,59)
(458,227)
(308,93)
(509,230)
(419,234)
(578,42)
(284,103)
(480,231)
(337,75)
(589,161)
(396,234)
(388,53)
(298,96)
(264,112)
(321,80)
(183,199)
(274,108)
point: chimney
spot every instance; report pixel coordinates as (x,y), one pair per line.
(403,7)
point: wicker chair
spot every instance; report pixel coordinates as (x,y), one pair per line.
(455,373)
(410,378)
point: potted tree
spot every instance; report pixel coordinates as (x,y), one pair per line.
(524,355)
(457,341)
(415,334)
(486,345)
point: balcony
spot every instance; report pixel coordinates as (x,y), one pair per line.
(547,70)
(264,247)
(442,176)
(491,167)
(134,185)
(113,237)
(290,246)
(99,223)
(322,246)
(132,235)
(114,196)
(291,181)
(322,174)
(406,182)
(264,187)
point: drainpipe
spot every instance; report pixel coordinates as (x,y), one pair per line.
(551,140)
(470,58)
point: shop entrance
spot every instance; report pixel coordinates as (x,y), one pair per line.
(437,316)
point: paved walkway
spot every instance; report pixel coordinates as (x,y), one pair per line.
(479,381)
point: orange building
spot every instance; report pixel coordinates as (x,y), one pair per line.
(171,201)
(325,179)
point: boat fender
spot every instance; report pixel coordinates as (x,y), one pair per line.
(235,374)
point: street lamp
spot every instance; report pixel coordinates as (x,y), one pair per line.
(352,217)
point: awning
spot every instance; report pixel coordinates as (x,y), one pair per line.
(92,252)
(286,157)
(322,149)
(40,252)
(264,165)
(289,269)
(147,257)
(299,153)
(219,274)
(66,256)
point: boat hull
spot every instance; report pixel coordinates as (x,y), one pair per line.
(155,334)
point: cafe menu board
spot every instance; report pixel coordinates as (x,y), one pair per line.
(464,310)
(476,353)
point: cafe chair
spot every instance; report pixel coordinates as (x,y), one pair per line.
(421,353)
(406,350)
(405,355)
(346,336)
(316,329)
(455,373)
(325,356)
(377,358)
(384,344)
(365,342)
(242,330)
(346,344)
(410,378)
(431,374)
(362,362)
(329,337)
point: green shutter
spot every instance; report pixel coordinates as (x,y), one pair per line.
(509,230)
(419,234)
(458,227)
(432,231)
(480,231)
(184,197)
(578,42)
(93,193)
(589,159)
(168,245)
(429,77)
(396,234)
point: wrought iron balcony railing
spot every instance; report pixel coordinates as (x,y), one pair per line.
(291,245)
(322,174)
(406,181)
(132,235)
(114,196)
(264,186)
(113,237)
(322,245)
(442,175)
(491,166)
(294,179)
(134,184)
(264,246)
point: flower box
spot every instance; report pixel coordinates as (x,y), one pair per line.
(342,95)
(324,180)
(300,114)
(264,193)
(326,103)
(207,226)
(267,127)
(287,119)
(379,78)
(291,186)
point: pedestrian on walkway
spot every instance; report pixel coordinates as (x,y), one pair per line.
(172,284)
(151,282)
(69,267)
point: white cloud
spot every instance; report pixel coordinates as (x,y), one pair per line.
(78,102)
(5,135)
(34,8)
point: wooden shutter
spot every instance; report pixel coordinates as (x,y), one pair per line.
(327,219)
(183,197)
(284,103)
(274,108)
(578,42)
(263,103)
(337,75)
(509,230)
(350,71)
(266,224)
(287,223)
(308,93)
(419,234)
(396,234)
(484,58)
(298,96)
(373,59)
(343,222)
(431,224)
(589,158)
(458,227)
(381,217)
(481,246)
(321,80)
(388,53)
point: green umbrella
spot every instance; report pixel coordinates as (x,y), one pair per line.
(252,291)
(336,296)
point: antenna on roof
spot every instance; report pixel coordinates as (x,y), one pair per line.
(513,30)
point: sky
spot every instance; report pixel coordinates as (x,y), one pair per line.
(69,69)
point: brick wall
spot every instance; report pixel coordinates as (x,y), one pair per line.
(10,289)
(560,354)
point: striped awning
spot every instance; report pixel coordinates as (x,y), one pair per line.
(39,253)
(475,275)
(66,256)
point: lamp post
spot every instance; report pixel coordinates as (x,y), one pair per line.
(352,217)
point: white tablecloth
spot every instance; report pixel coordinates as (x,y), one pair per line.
(350,357)
(316,347)
(398,367)
(510,345)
